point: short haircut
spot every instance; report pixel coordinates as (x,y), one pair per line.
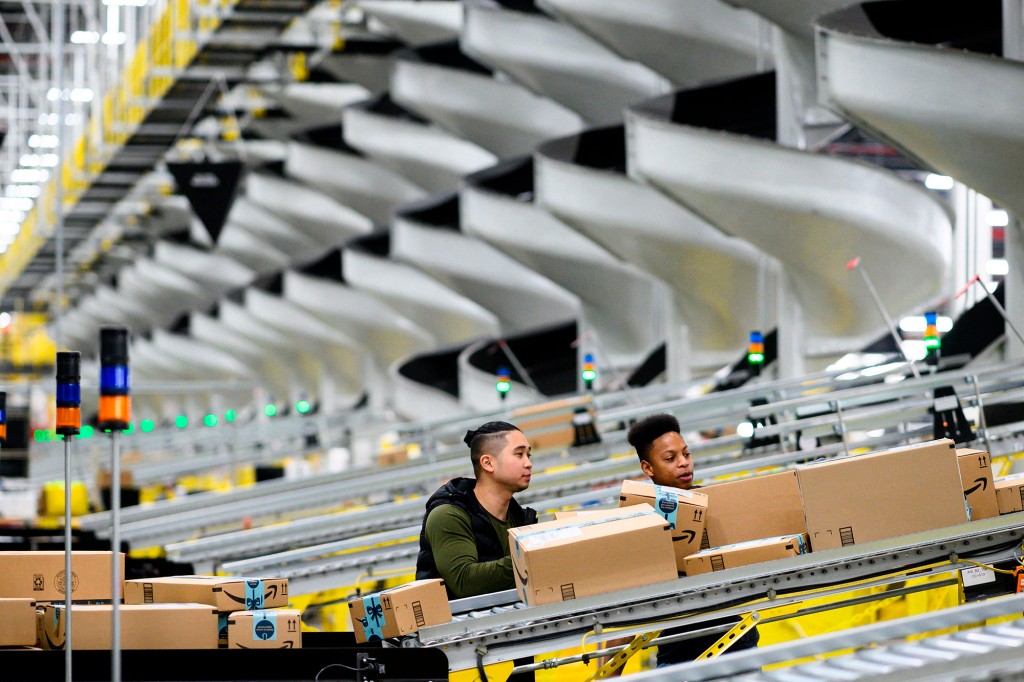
(643,433)
(488,439)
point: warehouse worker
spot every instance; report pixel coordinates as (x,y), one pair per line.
(665,459)
(464,539)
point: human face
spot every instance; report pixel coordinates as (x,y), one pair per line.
(669,463)
(512,466)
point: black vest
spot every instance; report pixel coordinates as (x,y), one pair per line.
(459,492)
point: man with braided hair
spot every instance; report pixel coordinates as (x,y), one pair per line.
(464,539)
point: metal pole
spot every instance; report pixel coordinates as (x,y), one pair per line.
(762,291)
(855,265)
(115,546)
(981,412)
(68,581)
(57,38)
(621,383)
(999,307)
(518,365)
(842,426)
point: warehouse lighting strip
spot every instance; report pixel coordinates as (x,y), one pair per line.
(551,627)
(163,451)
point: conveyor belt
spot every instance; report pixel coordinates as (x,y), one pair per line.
(163,523)
(528,632)
(322,567)
(963,380)
(988,652)
(315,563)
(261,498)
(386,520)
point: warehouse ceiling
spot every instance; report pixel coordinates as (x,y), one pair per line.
(114,146)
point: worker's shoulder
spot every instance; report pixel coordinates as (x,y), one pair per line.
(446,513)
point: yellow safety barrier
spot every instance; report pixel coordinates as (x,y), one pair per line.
(148,553)
(53,499)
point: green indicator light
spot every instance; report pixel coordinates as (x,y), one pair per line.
(503,386)
(210,420)
(146,425)
(931,342)
(86,432)
(41,436)
(181,421)
(302,407)
(130,429)
(755,358)
(589,375)
(230,415)
(270,410)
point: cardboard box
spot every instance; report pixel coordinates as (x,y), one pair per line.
(573,558)
(270,629)
(885,494)
(392,457)
(104,479)
(152,626)
(399,611)
(753,508)
(976,478)
(1010,493)
(745,553)
(40,575)
(17,622)
(226,594)
(40,608)
(686,511)
(586,514)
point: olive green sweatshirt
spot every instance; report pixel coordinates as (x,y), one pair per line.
(450,534)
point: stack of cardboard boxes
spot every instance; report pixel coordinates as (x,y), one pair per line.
(247,613)
(29,581)
(817,506)
(191,612)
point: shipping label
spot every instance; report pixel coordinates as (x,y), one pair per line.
(264,626)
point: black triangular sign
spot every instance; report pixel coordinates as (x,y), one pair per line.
(328,267)
(210,187)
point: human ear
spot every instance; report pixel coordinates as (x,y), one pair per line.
(646,467)
(487,462)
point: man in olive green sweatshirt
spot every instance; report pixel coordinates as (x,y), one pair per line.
(464,539)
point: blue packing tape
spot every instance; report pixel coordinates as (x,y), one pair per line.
(667,505)
(254,595)
(373,620)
